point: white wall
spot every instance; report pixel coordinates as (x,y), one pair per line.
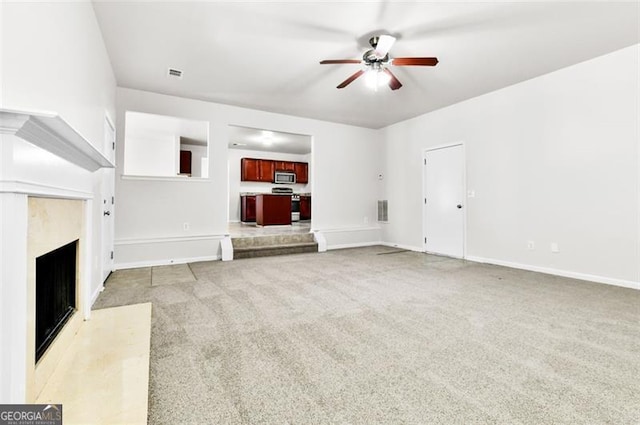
(158,156)
(236,186)
(553,159)
(150,225)
(54,59)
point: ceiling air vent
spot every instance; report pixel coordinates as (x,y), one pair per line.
(175,73)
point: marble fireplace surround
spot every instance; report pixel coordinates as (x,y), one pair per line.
(46,201)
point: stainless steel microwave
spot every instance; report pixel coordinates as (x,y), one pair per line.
(284,177)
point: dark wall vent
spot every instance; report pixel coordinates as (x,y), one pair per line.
(175,73)
(383,211)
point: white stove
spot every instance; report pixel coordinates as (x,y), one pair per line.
(295,207)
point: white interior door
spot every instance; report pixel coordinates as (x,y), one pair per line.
(444,189)
(108,201)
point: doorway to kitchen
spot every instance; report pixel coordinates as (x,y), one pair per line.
(270,182)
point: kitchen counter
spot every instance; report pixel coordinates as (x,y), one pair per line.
(273,209)
(265,193)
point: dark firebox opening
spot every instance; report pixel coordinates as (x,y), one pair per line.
(55,293)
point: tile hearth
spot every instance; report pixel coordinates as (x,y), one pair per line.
(103,377)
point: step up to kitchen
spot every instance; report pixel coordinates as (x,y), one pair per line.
(265,246)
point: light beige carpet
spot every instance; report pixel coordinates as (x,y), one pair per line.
(352,337)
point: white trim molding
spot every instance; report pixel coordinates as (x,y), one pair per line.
(50,132)
(353,245)
(347,229)
(159,251)
(153,263)
(401,246)
(166,178)
(169,239)
(96,293)
(349,237)
(564,273)
(38,189)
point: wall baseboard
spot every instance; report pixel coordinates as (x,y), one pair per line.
(353,245)
(557,272)
(347,229)
(167,262)
(350,237)
(407,247)
(96,293)
(168,239)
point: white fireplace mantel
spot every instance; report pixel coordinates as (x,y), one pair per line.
(52,133)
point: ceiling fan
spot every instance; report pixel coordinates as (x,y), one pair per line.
(376,62)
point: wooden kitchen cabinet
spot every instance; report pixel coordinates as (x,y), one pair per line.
(284,166)
(262,170)
(267,168)
(305,207)
(185,162)
(249,170)
(248,208)
(302,172)
(256,170)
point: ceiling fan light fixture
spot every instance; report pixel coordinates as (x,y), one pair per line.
(375,78)
(376,62)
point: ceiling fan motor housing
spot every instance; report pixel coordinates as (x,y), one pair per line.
(370,57)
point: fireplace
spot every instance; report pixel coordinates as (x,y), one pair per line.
(55,293)
(47,192)
(56,265)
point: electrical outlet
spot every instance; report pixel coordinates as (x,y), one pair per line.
(471,193)
(531,245)
(366,220)
(185,226)
(554,247)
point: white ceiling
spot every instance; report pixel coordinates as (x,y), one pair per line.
(265,55)
(255,140)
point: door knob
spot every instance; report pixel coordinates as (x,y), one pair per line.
(459,206)
(106,213)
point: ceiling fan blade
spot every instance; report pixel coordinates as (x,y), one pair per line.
(414,61)
(349,80)
(336,61)
(384,45)
(394,83)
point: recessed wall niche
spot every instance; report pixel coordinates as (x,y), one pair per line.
(164,146)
